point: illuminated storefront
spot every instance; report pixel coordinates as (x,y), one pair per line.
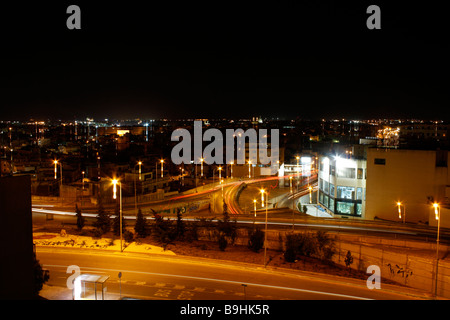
(342,185)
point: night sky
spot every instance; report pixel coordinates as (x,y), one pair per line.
(289,60)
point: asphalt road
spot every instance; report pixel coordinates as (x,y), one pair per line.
(183,278)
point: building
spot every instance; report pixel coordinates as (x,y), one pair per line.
(16,239)
(414,178)
(385,183)
(342,185)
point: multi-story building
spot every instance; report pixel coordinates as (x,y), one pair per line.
(342,185)
(385,183)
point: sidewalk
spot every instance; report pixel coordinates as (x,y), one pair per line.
(63,293)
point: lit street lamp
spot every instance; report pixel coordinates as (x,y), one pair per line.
(55,162)
(249,169)
(310,196)
(232,162)
(437,213)
(399,207)
(262,197)
(162,168)
(140,164)
(116,182)
(265,232)
(201,167)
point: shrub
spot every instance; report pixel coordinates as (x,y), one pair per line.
(319,245)
(128,236)
(141,228)
(222,242)
(256,239)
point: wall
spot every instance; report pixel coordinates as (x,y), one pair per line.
(406,262)
(409,176)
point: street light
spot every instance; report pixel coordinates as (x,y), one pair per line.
(232,162)
(254,207)
(116,182)
(201,166)
(162,167)
(310,190)
(220,173)
(140,164)
(55,162)
(399,207)
(265,232)
(262,197)
(249,168)
(437,213)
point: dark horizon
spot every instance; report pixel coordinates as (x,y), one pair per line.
(307,62)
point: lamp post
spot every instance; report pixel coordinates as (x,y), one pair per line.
(232,162)
(55,162)
(265,232)
(140,164)
(437,213)
(310,194)
(220,173)
(116,182)
(254,209)
(201,167)
(249,169)
(399,207)
(162,168)
(262,197)
(135,187)
(298,166)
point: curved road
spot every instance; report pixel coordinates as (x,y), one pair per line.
(149,276)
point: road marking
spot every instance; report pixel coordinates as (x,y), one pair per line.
(221,280)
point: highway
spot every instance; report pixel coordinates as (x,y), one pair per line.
(147,276)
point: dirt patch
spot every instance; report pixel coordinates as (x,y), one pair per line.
(43,236)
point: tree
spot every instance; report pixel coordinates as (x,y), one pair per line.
(256,239)
(103,222)
(141,227)
(80,218)
(225,230)
(180,224)
(116,222)
(348,259)
(40,276)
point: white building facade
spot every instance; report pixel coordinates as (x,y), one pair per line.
(342,186)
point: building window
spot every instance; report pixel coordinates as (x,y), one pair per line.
(332,190)
(358,193)
(332,170)
(345,192)
(320,184)
(331,207)
(346,173)
(325,186)
(345,207)
(358,209)
(380,161)
(325,200)
(321,197)
(360,173)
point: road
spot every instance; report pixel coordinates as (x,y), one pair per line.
(183,278)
